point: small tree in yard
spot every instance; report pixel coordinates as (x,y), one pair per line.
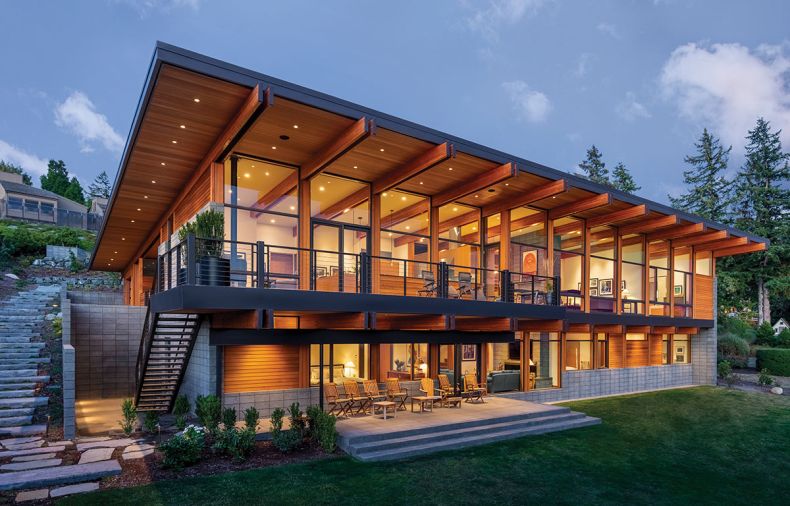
(765,379)
(129,416)
(724,370)
(180,410)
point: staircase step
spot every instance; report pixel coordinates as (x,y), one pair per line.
(15,394)
(19,354)
(59,475)
(15,373)
(463,442)
(22,347)
(6,413)
(6,361)
(23,378)
(23,402)
(12,421)
(17,386)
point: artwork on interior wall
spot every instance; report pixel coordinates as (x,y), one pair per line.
(469,352)
(593,292)
(593,282)
(529,262)
(605,287)
(622,285)
(679,292)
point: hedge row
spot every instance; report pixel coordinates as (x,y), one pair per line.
(777,361)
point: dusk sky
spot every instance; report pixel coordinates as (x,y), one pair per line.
(539,79)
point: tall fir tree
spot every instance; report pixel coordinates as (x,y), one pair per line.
(16,169)
(622,179)
(762,207)
(56,179)
(74,191)
(708,193)
(594,167)
(100,187)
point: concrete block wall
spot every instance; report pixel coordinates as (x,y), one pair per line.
(267,401)
(703,357)
(96,297)
(106,339)
(200,377)
(68,369)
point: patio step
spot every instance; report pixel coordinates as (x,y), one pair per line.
(485,438)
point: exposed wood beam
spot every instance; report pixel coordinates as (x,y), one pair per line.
(699,239)
(724,244)
(663,330)
(401,215)
(540,325)
(444,226)
(353,135)
(421,163)
(332,321)
(639,329)
(578,327)
(739,250)
(258,101)
(687,330)
(413,322)
(524,222)
(650,225)
(675,232)
(618,216)
(482,323)
(477,183)
(609,328)
(580,206)
(347,202)
(545,191)
(276,194)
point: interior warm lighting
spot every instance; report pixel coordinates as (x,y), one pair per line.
(246,174)
(321,188)
(381,149)
(477,196)
(267,173)
(145,196)
(272,220)
(139,209)
(123,238)
(507,184)
(455,209)
(153,181)
(230,191)
(296,126)
(422,239)
(384,194)
(196,99)
(389,234)
(403,198)
(408,227)
(132,221)
(355,166)
(112,260)
(174,141)
(346,210)
(293,208)
(182,126)
(115,252)
(163,164)
(274,147)
(420,182)
(474,228)
(449,168)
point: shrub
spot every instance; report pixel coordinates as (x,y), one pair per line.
(237,443)
(765,379)
(184,448)
(129,414)
(783,339)
(736,326)
(326,433)
(776,360)
(765,334)
(180,410)
(724,370)
(730,344)
(312,416)
(151,422)
(229,417)
(208,410)
(296,418)
(251,417)
(283,440)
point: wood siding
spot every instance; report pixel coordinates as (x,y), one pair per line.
(703,296)
(256,368)
(197,197)
(656,348)
(636,353)
(616,351)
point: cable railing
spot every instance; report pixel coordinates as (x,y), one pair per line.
(211,262)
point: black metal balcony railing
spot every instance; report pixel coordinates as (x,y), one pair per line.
(197,261)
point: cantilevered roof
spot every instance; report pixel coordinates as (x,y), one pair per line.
(194,110)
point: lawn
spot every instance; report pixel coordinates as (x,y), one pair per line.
(702,445)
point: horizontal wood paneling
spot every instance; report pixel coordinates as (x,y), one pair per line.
(703,296)
(197,198)
(656,348)
(256,368)
(616,351)
(636,353)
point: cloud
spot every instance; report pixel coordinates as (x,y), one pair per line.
(78,115)
(726,87)
(145,7)
(609,29)
(31,163)
(630,109)
(531,105)
(488,20)
(583,65)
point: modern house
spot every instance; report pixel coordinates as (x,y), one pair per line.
(360,245)
(21,201)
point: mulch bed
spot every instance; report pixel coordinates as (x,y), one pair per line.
(149,469)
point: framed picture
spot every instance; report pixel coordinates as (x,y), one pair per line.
(593,282)
(468,352)
(579,287)
(529,262)
(679,292)
(593,292)
(605,286)
(622,285)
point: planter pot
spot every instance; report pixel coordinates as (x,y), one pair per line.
(214,271)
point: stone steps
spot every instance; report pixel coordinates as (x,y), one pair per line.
(9,361)
(17,386)
(5,413)
(24,430)
(17,355)
(22,347)
(13,421)
(16,394)
(16,373)
(59,475)
(24,379)
(23,402)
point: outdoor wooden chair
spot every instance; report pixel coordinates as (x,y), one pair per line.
(397,394)
(337,405)
(371,389)
(426,387)
(358,400)
(429,284)
(447,391)
(472,390)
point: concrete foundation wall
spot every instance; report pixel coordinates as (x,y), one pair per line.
(200,377)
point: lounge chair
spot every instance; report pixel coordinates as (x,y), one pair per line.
(357,399)
(337,405)
(429,287)
(464,285)
(397,394)
(444,384)
(472,390)
(426,386)
(371,388)
(447,392)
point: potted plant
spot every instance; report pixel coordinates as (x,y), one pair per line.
(210,231)
(183,232)
(550,292)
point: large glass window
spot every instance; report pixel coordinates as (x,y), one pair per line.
(341,362)
(569,260)
(703,263)
(406,361)
(578,351)
(682,282)
(633,268)
(602,351)
(681,353)
(405,243)
(659,278)
(544,360)
(339,199)
(602,276)
(528,242)
(459,247)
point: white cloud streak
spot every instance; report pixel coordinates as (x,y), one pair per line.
(31,163)
(78,115)
(609,29)
(530,105)
(630,109)
(726,87)
(488,20)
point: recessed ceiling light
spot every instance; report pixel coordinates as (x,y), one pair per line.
(507,184)
(346,210)
(390,234)
(108,265)
(403,198)
(123,238)
(115,252)
(384,194)
(296,126)
(153,181)
(422,239)
(182,126)
(477,196)
(381,149)
(230,191)
(408,227)
(267,173)
(132,221)
(554,197)
(174,141)
(139,209)
(293,208)
(196,99)
(145,196)
(455,209)
(246,174)
(272,220)
(449,168)
(163,164)
(355,166)
(321,188)
(112,260)
(474,228)
(274,147)
(420,182)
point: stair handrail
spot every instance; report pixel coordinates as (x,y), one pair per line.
(144,352)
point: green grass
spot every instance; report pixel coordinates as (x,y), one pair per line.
(701,445)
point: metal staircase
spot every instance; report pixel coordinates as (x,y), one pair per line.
(162,360)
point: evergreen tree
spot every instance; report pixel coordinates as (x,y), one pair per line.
(16,169)
(74,191)
(100,187)
(594,167)
(622,179)
(708,189)
(56,179)
(762,207)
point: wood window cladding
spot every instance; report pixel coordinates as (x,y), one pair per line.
(703,296)
(260,367)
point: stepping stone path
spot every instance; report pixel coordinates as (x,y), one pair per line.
(96,455)
(21,320)
(137,451)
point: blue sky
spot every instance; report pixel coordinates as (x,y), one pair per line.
(538,78)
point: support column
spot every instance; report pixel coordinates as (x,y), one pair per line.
(304,234)
(375,243)
(504,240)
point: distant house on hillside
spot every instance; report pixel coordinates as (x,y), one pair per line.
(98,206)
(20,201)
(779,326)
